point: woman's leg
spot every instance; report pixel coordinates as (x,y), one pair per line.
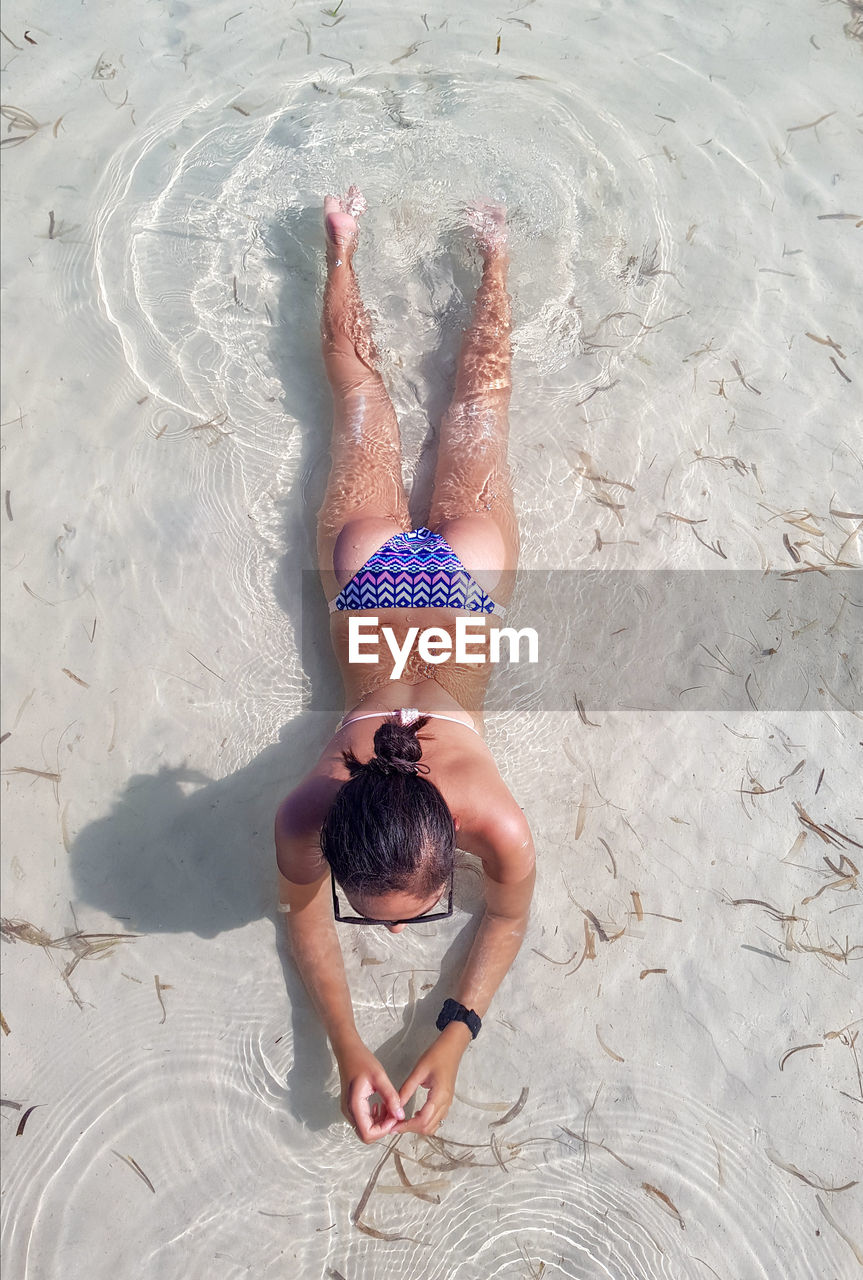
(472,504)
(365,502)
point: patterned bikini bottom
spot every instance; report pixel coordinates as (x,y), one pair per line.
(414,570)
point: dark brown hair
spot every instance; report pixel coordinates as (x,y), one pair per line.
(389,828)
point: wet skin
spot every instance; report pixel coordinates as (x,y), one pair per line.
(365,504)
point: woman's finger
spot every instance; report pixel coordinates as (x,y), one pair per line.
(414,1081)
(426,1128)
(370,1120)
(358,1105)
(391,1098)
(420,1119)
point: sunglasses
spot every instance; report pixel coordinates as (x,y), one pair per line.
(423,919)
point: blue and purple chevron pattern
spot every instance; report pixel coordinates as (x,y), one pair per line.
(418,570)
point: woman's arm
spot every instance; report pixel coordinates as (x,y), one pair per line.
(314,944)
(497,943)
(506,847)
(315,947)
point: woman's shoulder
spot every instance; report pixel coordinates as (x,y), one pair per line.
(304,808)
(493,826)
(298,824)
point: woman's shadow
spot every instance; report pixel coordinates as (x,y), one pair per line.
(180,852)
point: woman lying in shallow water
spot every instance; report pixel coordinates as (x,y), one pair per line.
(371,831)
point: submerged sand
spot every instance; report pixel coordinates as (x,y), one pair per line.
(669,1082)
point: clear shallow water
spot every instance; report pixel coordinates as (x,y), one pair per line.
(676,235)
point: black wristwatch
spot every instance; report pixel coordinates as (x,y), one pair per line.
(452,1011)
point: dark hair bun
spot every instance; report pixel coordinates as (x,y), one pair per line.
(397,750)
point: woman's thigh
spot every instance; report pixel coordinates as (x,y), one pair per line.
(365,502)
(472,502)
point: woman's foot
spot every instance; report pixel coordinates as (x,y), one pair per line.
(488,223)
(340,223)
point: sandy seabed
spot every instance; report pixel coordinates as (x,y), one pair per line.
(669,1081)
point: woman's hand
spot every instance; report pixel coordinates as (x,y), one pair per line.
(435,1071)
(362,1075)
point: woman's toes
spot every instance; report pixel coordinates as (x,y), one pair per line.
(488,223)
(355,203)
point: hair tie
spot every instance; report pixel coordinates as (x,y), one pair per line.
(396,764)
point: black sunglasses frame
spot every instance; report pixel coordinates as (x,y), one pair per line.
(425,919)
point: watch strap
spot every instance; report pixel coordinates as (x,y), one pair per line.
(452,1011)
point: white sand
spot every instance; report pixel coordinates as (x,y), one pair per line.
(685,167)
